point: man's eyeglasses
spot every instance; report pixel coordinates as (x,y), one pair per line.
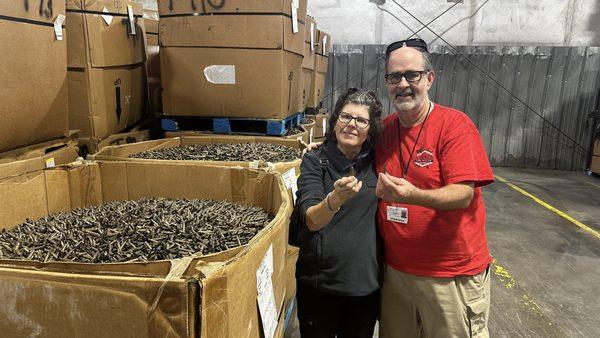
(361,122)
(411,77)
(415,43)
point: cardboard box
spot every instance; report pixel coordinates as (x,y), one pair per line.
(310,128)
(303,136)
(267,83)
(244,62)
(107,87)
(311,35)
(208,296)
(139,133)
(33,75)
(323,51)
(596,158)
(291,257)
(122,152)
(153,65)
(319,76)
(321,124)
(40,156)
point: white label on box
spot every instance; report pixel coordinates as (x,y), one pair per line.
(253,165)
(107,18)
(291,181)
(295,5)
(131,19)
(310,135)
(50,163)
(266,295)
(312,36)
(58,27)
(324,126)
(220,74)
(325,45)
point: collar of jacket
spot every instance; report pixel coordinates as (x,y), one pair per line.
(340,162)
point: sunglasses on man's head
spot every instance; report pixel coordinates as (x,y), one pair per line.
(414,43)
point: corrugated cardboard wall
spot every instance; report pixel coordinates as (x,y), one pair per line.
(559,83)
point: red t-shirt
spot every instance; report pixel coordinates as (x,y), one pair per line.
(449,150)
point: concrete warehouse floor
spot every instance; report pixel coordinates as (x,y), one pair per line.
(546,253)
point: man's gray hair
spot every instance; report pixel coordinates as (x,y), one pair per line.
(427,61)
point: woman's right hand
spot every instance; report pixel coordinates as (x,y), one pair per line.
(344,189)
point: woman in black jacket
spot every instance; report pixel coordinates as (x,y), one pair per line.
(337,270)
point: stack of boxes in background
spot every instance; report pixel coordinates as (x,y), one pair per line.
(318,77)
(33,73)
(106,69)
(153,62)
(78,76)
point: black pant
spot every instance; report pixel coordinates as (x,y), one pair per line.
(326,315)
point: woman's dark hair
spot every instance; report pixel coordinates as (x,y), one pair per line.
(360,97)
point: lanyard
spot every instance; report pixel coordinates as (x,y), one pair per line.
(405,169)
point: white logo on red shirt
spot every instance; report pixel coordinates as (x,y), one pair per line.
(424,158)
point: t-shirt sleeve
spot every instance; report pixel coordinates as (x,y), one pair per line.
(310,184)
(463,155)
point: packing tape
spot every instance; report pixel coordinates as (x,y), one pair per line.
(220,74)
(178,268)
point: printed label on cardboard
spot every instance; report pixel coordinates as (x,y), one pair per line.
(107,18)
(220,74)
(312,37)
(324,126)
(291,181)
(131,19)
(295,5)
(58,27)
(50,163)
(325,45)
(266,294)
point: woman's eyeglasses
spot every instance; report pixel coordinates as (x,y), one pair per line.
(361,122)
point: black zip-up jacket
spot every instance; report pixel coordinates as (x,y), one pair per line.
(342,257)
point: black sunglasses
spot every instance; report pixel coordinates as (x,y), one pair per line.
(414,43)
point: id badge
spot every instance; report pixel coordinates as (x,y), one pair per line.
(397,214)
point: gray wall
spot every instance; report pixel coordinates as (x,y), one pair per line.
(560,84)
(470,23)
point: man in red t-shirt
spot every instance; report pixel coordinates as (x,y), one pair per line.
(431,164)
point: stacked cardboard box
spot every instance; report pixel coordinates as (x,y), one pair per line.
(245,61)
(320,74)
(596,157)
(33,73)
(311,36)
(207,296)
(153,64)
(106,60)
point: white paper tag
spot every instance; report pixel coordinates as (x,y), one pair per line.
(312,37)
(220,74)
(397,214)
(107,18)
(253,165)
(310,135)
(324,126)
(131,19)
(58,27)
(325,45)
(266,295)
(295,5)
(291,181)
(50,163)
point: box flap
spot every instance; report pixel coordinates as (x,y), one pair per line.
(179,7)
(39,12)
(108,31)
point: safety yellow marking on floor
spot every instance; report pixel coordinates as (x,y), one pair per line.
(510,283)
(551,208)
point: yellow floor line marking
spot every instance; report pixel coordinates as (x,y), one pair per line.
(510,283)
(551,208)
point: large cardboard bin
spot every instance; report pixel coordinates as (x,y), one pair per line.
(33,74)
(39,156)
(208,296)
(106,60)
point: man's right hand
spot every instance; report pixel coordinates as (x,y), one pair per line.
(310,147)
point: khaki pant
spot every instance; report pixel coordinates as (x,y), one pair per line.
(413,306)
